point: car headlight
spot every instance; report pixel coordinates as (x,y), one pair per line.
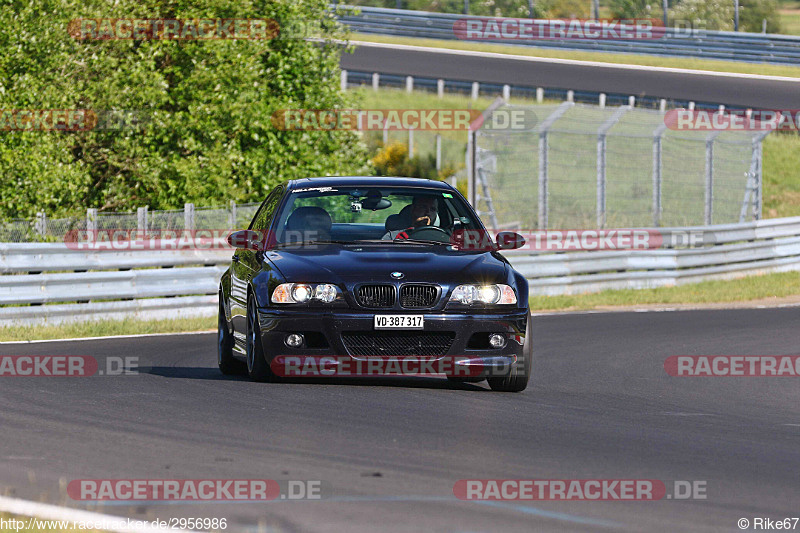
(485,294)
(300,293)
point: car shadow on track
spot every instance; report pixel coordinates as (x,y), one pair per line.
(414,382)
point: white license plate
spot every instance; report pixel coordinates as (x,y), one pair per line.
(399,322)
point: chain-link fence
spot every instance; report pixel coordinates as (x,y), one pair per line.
(587,166)
(45,229)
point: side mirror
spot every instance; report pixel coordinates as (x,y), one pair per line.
(246,239)
(509,240)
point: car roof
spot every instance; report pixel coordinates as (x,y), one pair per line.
(368,181)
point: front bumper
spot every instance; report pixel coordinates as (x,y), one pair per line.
(325,330)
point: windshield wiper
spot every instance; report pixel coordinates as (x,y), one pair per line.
(308,243)
(422,241)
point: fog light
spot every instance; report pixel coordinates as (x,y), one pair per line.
(496,340)
(294,340)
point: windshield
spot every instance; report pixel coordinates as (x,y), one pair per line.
(359,214)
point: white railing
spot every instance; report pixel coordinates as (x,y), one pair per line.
(125,284)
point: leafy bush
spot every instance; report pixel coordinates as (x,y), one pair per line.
(753,12)
(393,160)
(206,135)
(707,14)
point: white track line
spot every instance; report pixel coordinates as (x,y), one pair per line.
(45,511)
(133,336)
(495,55)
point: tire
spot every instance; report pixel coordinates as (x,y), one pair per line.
(517,380)
(228,365)
(257,367)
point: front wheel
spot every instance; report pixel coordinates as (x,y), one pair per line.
(517,380)
(227,363)
(257,367)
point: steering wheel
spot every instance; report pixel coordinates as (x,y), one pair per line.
(428,233)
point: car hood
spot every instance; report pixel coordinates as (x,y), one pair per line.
(346,264)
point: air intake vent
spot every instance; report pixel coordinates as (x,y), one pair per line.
(375,296)
(418,296)
(383,343)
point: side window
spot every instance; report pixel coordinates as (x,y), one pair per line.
(263,218)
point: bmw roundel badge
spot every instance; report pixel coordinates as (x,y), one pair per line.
(397,275)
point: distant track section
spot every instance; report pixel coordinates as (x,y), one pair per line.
(735,90)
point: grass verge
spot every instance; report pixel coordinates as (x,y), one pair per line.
(766,289)
(628,59)
(105,328)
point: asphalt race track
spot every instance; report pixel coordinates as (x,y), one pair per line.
(729,90)
(601,407)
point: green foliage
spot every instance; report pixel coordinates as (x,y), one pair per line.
(753,12)
(206,135)
(393,160)
(706,14)
(626,9)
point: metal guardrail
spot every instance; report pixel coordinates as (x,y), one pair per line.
(734,46)
(111,285)
(111,291)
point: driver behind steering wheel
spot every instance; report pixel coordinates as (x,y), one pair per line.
(424,210)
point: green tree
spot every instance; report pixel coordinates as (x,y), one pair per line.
(753,12)
(205,134)
(706,14)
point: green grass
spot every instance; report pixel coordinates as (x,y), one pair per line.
(747,289)
(630,59)
(781,175)
(790,20)
(105,328)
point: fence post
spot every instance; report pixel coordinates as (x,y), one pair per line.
(232,215)
(440,88)
(470,155)
(438,151)
(544,149)
(41,223)
(141,219)
(506,92)
(709,181)
(343,80)
(570,96)
(601,162)
(410,143)
(657,173)
(757,203)
(602,100)
(376,79)
(476,87)
(91,222)
(188,217)
(409,84)
(539,95)
(543,153)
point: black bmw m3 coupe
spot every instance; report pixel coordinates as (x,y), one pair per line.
(344,276)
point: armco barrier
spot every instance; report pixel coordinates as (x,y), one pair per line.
(735,46)
(34,288)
